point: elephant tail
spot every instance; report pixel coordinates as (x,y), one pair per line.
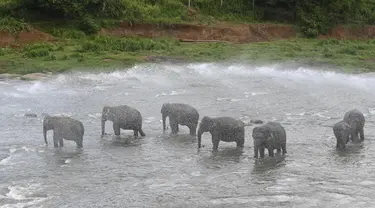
(142,133)
(82,129)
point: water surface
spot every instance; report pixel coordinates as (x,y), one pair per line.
(161,170)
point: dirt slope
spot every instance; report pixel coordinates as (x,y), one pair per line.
(235,33)
(24,37)
(239,33)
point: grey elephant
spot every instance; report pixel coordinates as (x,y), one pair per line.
(356,121)
(225,129)
(122,117)
(180,114)
(271,136)
(63,128)
(342,132)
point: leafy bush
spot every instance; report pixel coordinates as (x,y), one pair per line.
(13,25)
(40,50)
(67,33)
(75,9)
(88,25)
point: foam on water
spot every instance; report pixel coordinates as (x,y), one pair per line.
(14,94)
(26,195)
(162,75)
(301,74)
(5,161)
(171,93)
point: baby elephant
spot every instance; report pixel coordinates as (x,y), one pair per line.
(271,136)
(122,117)
(356,121)
(180,114)
(225,129)
(342,132)
(63,128)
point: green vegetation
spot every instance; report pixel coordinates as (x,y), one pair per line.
(312,16)
(106,52)
(75,25)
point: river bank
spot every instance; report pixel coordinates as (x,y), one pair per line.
(37,51)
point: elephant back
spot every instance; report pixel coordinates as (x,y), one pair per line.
(228,122)
(184,108)
(278,132)
(127,114)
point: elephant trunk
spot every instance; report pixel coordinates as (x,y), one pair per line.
(45,134)
(164,118)
(200,132)
(256,149)
(103,126)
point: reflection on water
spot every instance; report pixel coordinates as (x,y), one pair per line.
(166,170)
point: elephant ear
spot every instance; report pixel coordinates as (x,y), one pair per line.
(270,136)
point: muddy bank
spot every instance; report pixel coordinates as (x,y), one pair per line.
(223,32)
(236,33)
(23,38)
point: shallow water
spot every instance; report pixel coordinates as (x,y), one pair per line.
(160,170)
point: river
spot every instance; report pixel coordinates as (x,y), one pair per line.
(161,170)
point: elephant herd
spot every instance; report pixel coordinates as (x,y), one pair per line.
(270,136)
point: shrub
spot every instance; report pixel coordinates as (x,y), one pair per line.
(39,50)
(67,33)
(88,25)
(13,25)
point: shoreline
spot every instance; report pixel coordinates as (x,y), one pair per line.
(291,66)
(35,51)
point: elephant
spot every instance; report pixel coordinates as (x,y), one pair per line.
(225,129)
(356,121)
(122,117)
(271,136)
(180,114)
(63,128)
(342,132)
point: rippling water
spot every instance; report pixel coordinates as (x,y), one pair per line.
(164,171)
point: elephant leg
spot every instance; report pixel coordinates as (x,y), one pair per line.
(215,142)
(240,139)
(362,134)
(278,150)
(270,152)
(193,130)
(79,143)
(56,138)
(240,143)
(283,147)
(256,149)
(61,142)
(135,132)
(174,125)
(116,128)
(261,151)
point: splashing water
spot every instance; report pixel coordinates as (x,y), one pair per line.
(168,171)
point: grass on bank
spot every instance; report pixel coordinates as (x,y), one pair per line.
(100,52)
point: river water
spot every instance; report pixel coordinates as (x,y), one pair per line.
(161,170)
